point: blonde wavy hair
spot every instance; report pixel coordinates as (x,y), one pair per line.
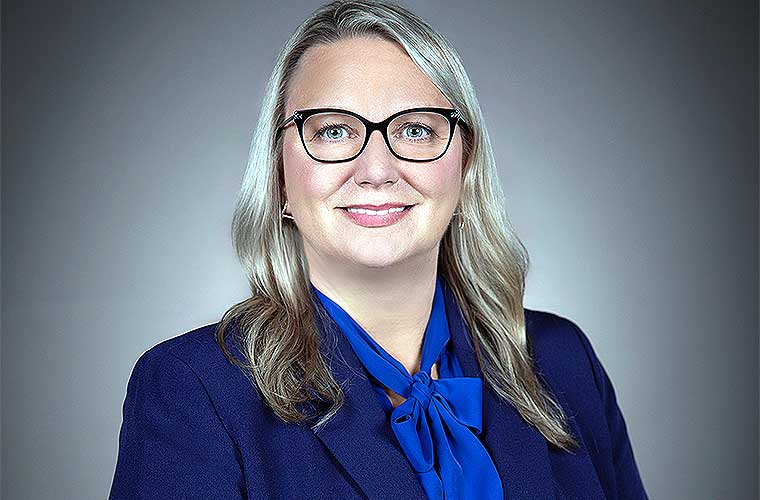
(484,262)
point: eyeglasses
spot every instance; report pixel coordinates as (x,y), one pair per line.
(333,135)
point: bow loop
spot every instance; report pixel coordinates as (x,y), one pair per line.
(414,435)
(462,397)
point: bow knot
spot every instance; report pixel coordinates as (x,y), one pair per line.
(421,389)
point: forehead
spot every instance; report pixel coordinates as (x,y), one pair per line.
(371,76)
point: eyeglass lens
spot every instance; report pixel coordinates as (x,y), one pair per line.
(418,135)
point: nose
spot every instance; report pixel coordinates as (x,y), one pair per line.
(376,165)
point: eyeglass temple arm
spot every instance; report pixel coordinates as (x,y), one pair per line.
(292,117)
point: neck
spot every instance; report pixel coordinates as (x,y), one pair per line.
(392,303)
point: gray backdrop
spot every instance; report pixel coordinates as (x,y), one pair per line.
(626,137)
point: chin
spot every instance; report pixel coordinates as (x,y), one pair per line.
(375,258)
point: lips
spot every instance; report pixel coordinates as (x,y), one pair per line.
(384,206)
(371,219)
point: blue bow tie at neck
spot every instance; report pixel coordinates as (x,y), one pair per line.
(437,425)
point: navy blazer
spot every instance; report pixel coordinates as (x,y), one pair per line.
(194,428)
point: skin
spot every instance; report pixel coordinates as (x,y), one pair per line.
(384,277)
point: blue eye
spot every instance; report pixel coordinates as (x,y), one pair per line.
(418,128)
(420,132)
(331,127)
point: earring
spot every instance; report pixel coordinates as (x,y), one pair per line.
(283,214)
(461,221)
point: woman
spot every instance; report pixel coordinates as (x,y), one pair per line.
(384,352)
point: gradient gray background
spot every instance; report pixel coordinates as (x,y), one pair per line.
(626,138)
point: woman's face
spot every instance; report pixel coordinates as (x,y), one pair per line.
(374,78)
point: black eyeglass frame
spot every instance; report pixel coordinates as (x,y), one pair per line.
(299,116)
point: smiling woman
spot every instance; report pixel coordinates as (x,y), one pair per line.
(384,352)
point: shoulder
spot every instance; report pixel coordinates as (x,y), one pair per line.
(191,339)
(191,364)
(169,375)
(550,331)
(191,371)
(195,348)
(180,343)
(564,356)
(556,340)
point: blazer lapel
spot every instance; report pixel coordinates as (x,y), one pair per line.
(359,435)
(518,450)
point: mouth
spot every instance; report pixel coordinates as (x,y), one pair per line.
(378,211)
(377,218)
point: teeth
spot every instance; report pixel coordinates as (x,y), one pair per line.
(375,212)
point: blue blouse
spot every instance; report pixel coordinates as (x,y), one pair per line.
(438,424)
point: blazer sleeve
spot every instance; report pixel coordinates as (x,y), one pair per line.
(172,444)
(627,477)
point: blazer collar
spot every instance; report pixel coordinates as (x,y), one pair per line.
(361,439)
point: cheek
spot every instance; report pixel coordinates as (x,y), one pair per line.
(447,177)
(306,182)
(441,180)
